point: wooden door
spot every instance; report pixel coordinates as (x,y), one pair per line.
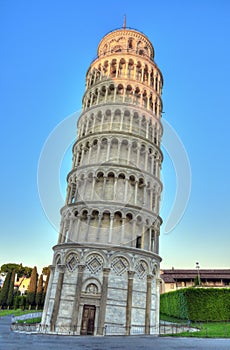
(88,318)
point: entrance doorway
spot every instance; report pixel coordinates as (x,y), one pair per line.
(88,318)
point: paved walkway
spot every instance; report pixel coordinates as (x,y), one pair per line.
(16,341)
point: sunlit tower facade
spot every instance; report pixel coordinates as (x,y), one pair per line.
(105,271)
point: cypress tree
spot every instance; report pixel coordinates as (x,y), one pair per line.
(16,302)
(31,295)
(45,270)
(39,294)
(197,281)
(10,297)
(22,302)
(45,287)
(5,290)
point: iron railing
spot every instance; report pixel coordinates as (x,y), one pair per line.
(164,328)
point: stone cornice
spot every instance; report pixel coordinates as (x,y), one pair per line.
(123,81)
(116,105)
(114,206)
(119,133)
(121,166)
(109,248)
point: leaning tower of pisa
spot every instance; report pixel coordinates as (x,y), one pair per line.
(105,271)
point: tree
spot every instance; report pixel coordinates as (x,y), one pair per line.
(25,271)
(39,294)
(5,290)
(10,296)
(45,270)
(17,302)
(19,269)
(197,281)
(31,295)
(22,302)
(45,287)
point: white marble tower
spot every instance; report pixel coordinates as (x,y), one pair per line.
(105,273)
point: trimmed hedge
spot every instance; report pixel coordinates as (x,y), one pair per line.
(197,304)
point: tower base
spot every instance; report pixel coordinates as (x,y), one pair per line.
(96,289)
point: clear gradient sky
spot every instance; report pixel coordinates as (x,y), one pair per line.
(46,49)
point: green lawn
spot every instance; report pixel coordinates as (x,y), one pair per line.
(171,319)
(207,329)
(17,312)
(31,320)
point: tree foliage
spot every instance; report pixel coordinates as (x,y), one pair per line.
(16,302)
(10,296)
(46,270)
(197,281)
(31,294)
(47,282)
(34,295)
(45,287)
(197,304)
(39,294)
(19,269)
(5,290)
(22,302)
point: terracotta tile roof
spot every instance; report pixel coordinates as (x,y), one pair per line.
(170,276)
(168,279)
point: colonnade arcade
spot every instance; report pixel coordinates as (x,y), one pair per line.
(125,68)
(127,187)
(120,92)
(121,119)
(110,149)
(128,227)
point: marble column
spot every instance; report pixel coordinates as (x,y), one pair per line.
(78,289)
(157,309)
(104,292)
(57,298)
(148,304)
(93,186)
(48,292)
(129,302)
(111,228)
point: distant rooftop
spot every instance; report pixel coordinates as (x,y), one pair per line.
(172,275)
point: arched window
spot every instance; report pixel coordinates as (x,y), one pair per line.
(138,242)
(130,68)
(130,43)
(121,67)
(113,68)
(117,48)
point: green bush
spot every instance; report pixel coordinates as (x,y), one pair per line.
(197,304)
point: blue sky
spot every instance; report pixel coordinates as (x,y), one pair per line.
(46,49)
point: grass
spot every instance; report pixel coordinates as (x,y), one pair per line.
(30,321)
(171,319)
(207,329)
(17,312)
(20,312)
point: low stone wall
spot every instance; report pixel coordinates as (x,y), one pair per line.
(165,328)
(14,319)
(175,328)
